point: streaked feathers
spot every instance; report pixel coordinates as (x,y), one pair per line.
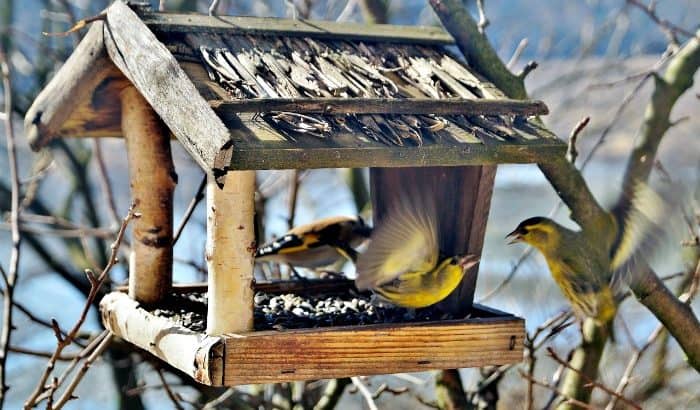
(317,244)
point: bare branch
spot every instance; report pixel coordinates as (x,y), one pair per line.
(11,277)
(64,341)
(669,28)
(171,395)
(105,186)
(568,400)
(198,196)
(483,20)
(591,382)
(517,53)
(365,393)
(571,151)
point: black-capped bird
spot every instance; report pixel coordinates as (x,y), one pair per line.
(590,269)
(317,244)
(403,263)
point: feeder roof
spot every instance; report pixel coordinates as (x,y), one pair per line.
(263,93)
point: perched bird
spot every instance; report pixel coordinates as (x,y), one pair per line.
(317,244)
(592,270)
(403,263)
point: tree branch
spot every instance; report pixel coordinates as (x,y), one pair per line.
(10,277)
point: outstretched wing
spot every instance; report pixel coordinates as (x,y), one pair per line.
(406,241)
(643,220)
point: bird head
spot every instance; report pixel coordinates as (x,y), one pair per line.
(537,231)
(361,228)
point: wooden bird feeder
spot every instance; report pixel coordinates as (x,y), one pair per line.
(244,94)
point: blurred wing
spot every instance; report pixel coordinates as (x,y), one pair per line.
(643,221)
(405,242)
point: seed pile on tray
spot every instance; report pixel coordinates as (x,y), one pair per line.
(288,67)
(293,311)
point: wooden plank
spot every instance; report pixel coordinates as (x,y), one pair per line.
(73,86)
(448,106)
(267,357)
(230,251)
(196,354)
(152,178)
(481,198)
(98,116)
(302,354)
(148,64)
(165,23)
(271,157)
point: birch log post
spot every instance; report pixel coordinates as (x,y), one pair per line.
(230,252)
(152,178)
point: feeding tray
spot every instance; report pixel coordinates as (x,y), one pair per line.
(242,94)
(421,342)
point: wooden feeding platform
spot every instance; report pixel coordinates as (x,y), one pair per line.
(265,356)
(243,94)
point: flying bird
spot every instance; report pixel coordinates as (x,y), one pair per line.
(403,263)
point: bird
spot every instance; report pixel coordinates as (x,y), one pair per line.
(592,270)
(317,244)
(403,263)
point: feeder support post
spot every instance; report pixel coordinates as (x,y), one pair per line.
(152,178)
(230,252)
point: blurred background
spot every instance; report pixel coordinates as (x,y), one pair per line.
(593,58)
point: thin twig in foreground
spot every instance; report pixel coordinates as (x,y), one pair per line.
(592,383)
(567,399)
(365,392)
(11,277)
(171,395)
(96,283)
(68,394)
(198,196)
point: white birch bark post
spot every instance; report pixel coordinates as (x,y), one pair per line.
(230,253)
(152,178)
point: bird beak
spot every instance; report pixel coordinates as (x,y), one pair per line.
(514,237)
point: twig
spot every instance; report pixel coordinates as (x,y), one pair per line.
(82,232)
(591,382)
(569,400)
(171,395)
(292,201)
(11,277)
(571,151)
(347,10)
(68,394)
(483,20)
(96,283)
(38,353)
(385,388)
(365,393)
(105,186)
(517,53)
(626,376)
(531,65)
(670,28)
(213,6)
(198,196)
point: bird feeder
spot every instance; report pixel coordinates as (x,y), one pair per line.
(243,94)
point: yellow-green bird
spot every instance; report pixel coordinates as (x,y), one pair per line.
(317,244)
(403,263)
(592,270)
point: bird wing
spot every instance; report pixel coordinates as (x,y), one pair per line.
(406,241)
(302,237)
(642,221)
